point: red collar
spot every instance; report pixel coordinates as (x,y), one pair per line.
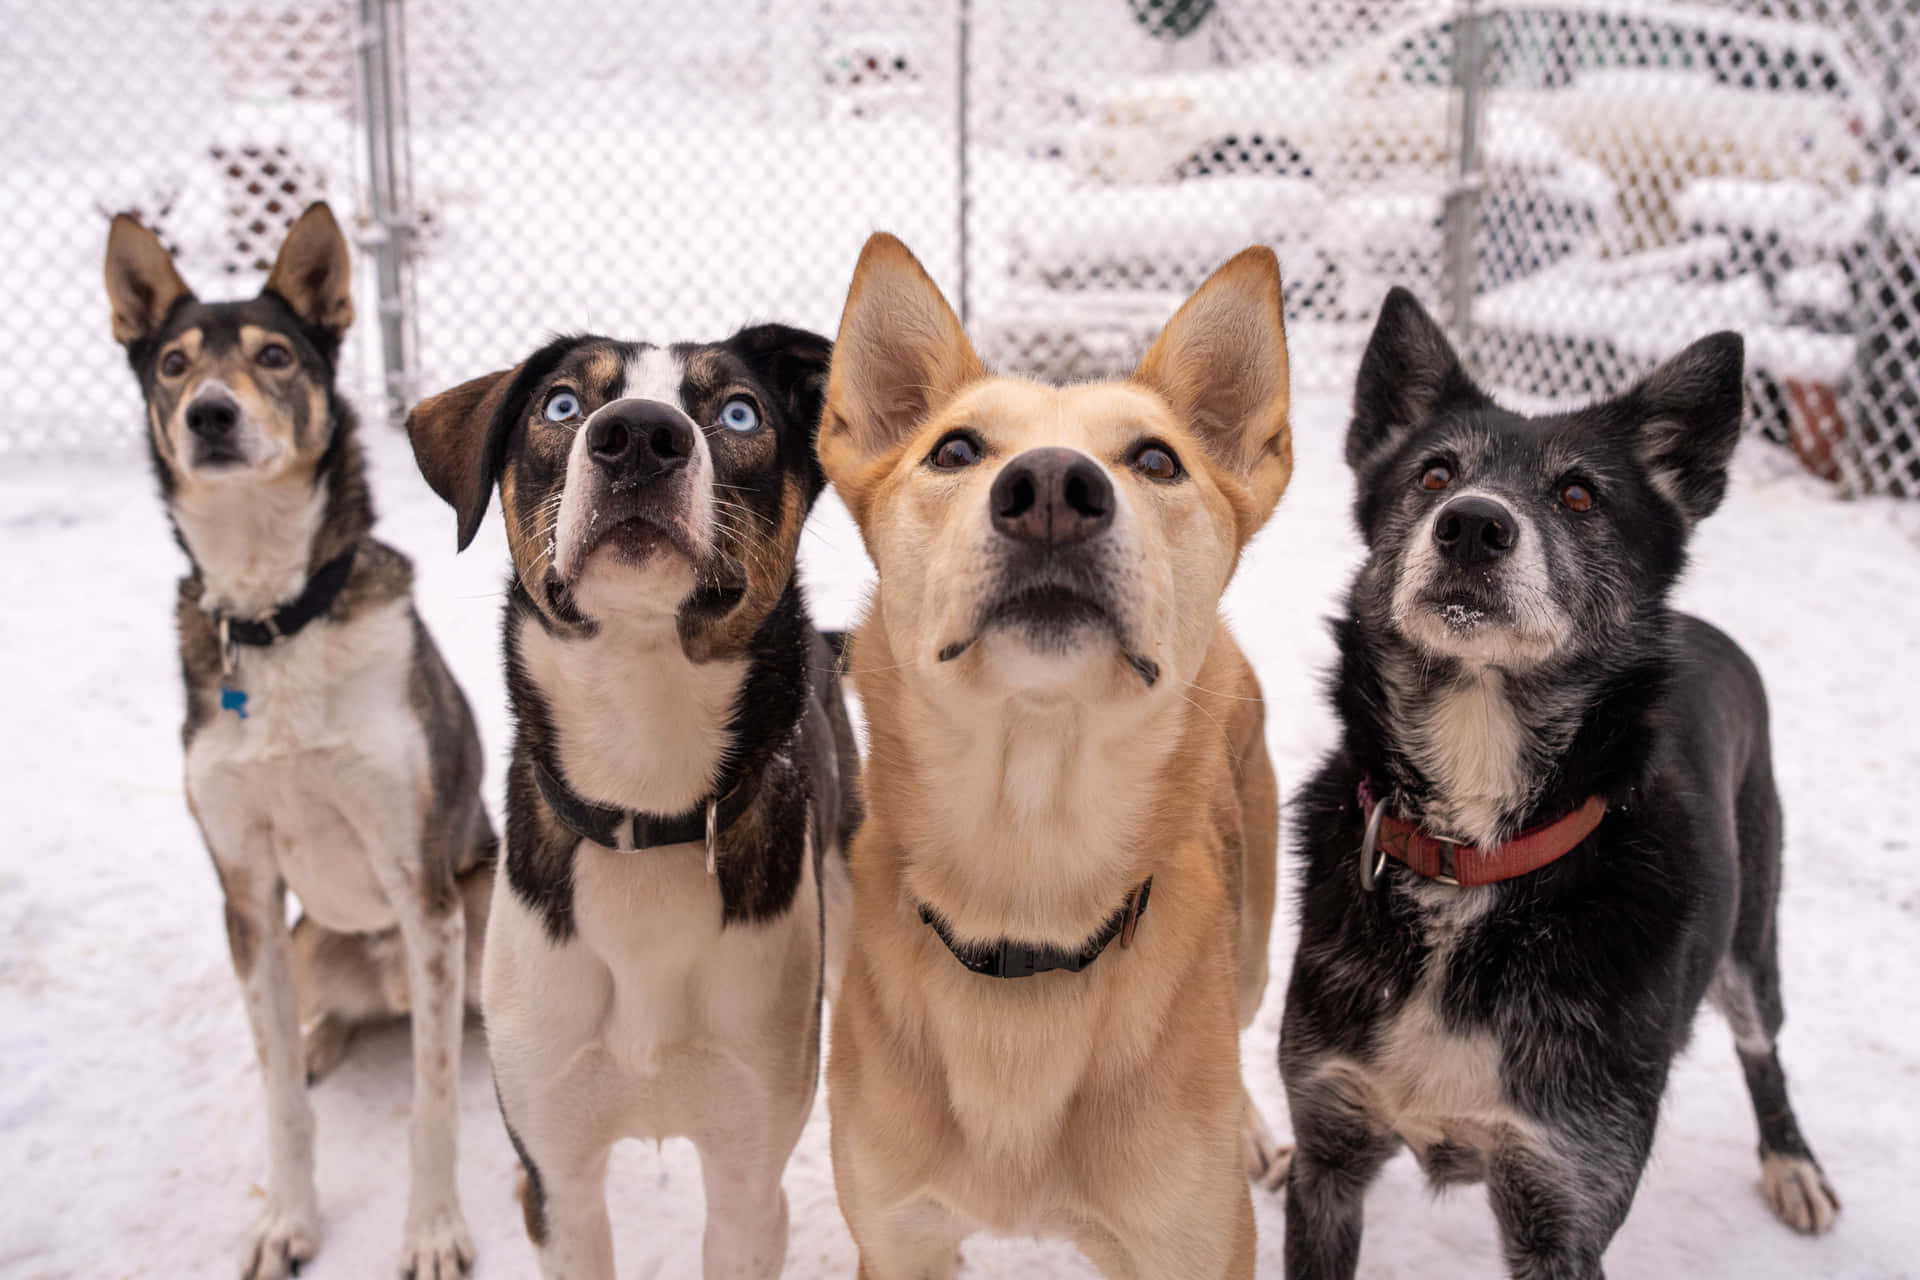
(1464,864)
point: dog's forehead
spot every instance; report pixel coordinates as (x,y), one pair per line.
(1095,416)
(215,327)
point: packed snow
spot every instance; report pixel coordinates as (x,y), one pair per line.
(131,1119)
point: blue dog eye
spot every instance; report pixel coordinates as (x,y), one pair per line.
(563,405)
(738,414)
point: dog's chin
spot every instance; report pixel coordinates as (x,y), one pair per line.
(633,568)
(1052,640)
(1473,629)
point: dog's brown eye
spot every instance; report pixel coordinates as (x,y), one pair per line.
(1155,461)
(1577,497)
(1437,477)
(173,364)
(955,450)
(274,356)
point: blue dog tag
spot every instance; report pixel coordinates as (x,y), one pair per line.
(234,700)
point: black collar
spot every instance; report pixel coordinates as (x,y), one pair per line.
(626,830)
(314,599)
(1009,959)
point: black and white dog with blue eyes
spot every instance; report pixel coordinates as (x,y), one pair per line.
(1551,826)
(681,787)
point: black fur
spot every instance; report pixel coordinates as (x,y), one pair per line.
(1585,975)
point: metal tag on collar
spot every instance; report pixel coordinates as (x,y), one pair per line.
(713,832)
(1373,859)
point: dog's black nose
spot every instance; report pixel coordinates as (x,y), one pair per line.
(213,416)
(1052,497)
(1473,531)
(640,439)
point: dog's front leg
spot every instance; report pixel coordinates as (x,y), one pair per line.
(1556,1216)
(289,1231)
(1337,1151)
(437,1245)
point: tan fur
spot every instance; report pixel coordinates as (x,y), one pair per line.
(142,282)
(313,272)
(1105,1106)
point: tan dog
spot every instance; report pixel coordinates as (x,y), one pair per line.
(1059,722)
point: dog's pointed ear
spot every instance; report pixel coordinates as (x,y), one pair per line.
(1408,374)
(142,283)
(1688,414)
(899,355)
(1221,362)
(458,438)
(313,272)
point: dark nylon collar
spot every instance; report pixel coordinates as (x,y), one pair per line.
(1009,959)
(315,599)
(626,830)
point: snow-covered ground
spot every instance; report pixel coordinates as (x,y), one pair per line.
(131,1127)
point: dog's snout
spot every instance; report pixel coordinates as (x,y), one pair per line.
(213,416)
(640,439)
(1473,531)
(1052,497)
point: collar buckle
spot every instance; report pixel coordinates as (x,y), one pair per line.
(226,645)
(713,834)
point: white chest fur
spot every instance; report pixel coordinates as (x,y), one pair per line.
(637,724)
(327,765)
(251,541)
(1473,748)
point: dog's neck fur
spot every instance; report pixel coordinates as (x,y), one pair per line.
(620,712)
(1480,754)
(1031,824)
(255,542)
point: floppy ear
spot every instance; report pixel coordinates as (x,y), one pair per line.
(142,284)
(794,363)
(1409,372)
(1221,362)
(1689,413)
(900,354)
(313,272)
(458,438)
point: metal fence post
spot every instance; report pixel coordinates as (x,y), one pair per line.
(963,210)
(388,226)
(1463,194)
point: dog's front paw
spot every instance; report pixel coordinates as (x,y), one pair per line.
(1798,1193)
(1267,1159)
(438,1247)
(282,1240)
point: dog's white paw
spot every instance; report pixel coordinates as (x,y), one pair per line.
(1267,1159)
(282,1240)
(1798,1193)
(438,1247)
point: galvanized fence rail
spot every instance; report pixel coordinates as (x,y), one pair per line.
(1578,186)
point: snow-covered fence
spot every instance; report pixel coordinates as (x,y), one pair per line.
(1754,166)
(1578,185)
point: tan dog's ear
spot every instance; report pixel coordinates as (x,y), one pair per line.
(901,353)
(458,439)
(142,283)
(313,272)
(1221,362)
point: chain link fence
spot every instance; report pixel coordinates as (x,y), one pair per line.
(1579,187)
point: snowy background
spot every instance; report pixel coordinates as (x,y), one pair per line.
(131,1120)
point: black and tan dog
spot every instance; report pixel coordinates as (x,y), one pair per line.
(1551,827)
(682,769)
(1063,888)
(328,748)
